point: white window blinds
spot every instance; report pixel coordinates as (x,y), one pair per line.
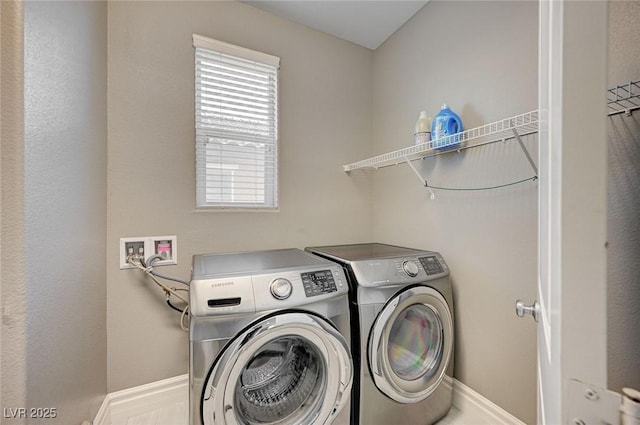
(236,126)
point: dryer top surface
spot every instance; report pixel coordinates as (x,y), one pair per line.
(365,251)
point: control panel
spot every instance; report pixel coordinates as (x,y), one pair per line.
(261,292)
(431,265)
(318,283)
(247,282)
(295,288)
(401,270)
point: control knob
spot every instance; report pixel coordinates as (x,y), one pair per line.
(281,288)
(410,267)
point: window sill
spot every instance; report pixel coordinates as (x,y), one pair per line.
(207,210)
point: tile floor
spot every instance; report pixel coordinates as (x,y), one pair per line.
(177,414)
(173,414)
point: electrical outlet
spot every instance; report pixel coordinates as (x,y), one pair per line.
(144,247)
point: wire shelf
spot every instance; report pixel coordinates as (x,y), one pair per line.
(509,128)
(625,98)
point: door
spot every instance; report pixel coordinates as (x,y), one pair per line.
(410,344)
(572,204)
(290,368)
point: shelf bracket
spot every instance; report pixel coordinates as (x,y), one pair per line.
(525,151)
(423,181)
(415,170)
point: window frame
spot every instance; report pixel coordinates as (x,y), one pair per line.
(267,177)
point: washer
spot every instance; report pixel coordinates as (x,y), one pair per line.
(269,340)
(402,335)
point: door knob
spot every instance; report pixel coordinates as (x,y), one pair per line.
(533,310)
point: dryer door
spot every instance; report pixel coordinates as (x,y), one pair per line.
(410,344)
(289,368)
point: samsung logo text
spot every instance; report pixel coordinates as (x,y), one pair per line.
(216,284)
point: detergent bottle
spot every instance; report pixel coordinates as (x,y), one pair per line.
(446,123)
(423,129)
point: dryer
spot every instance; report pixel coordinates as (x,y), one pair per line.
(402,332)
(269,340)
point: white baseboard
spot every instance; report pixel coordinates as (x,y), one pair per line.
(470,402)
(119,406)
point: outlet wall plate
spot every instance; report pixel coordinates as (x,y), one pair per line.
(167,246)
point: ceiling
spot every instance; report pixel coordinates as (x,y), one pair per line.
(367,23)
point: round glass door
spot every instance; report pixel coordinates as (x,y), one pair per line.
(410,345)
(285,376)
(415,342)
(292,368)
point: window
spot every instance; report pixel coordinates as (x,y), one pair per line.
(236,126)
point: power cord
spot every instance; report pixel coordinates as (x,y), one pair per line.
(147,268)
(173,307)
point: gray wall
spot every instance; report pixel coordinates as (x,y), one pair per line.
(623,225)
(58,296)
(13,390)
(325,117)
(481,58)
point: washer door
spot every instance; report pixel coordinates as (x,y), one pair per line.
(290,368)
(410,344)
